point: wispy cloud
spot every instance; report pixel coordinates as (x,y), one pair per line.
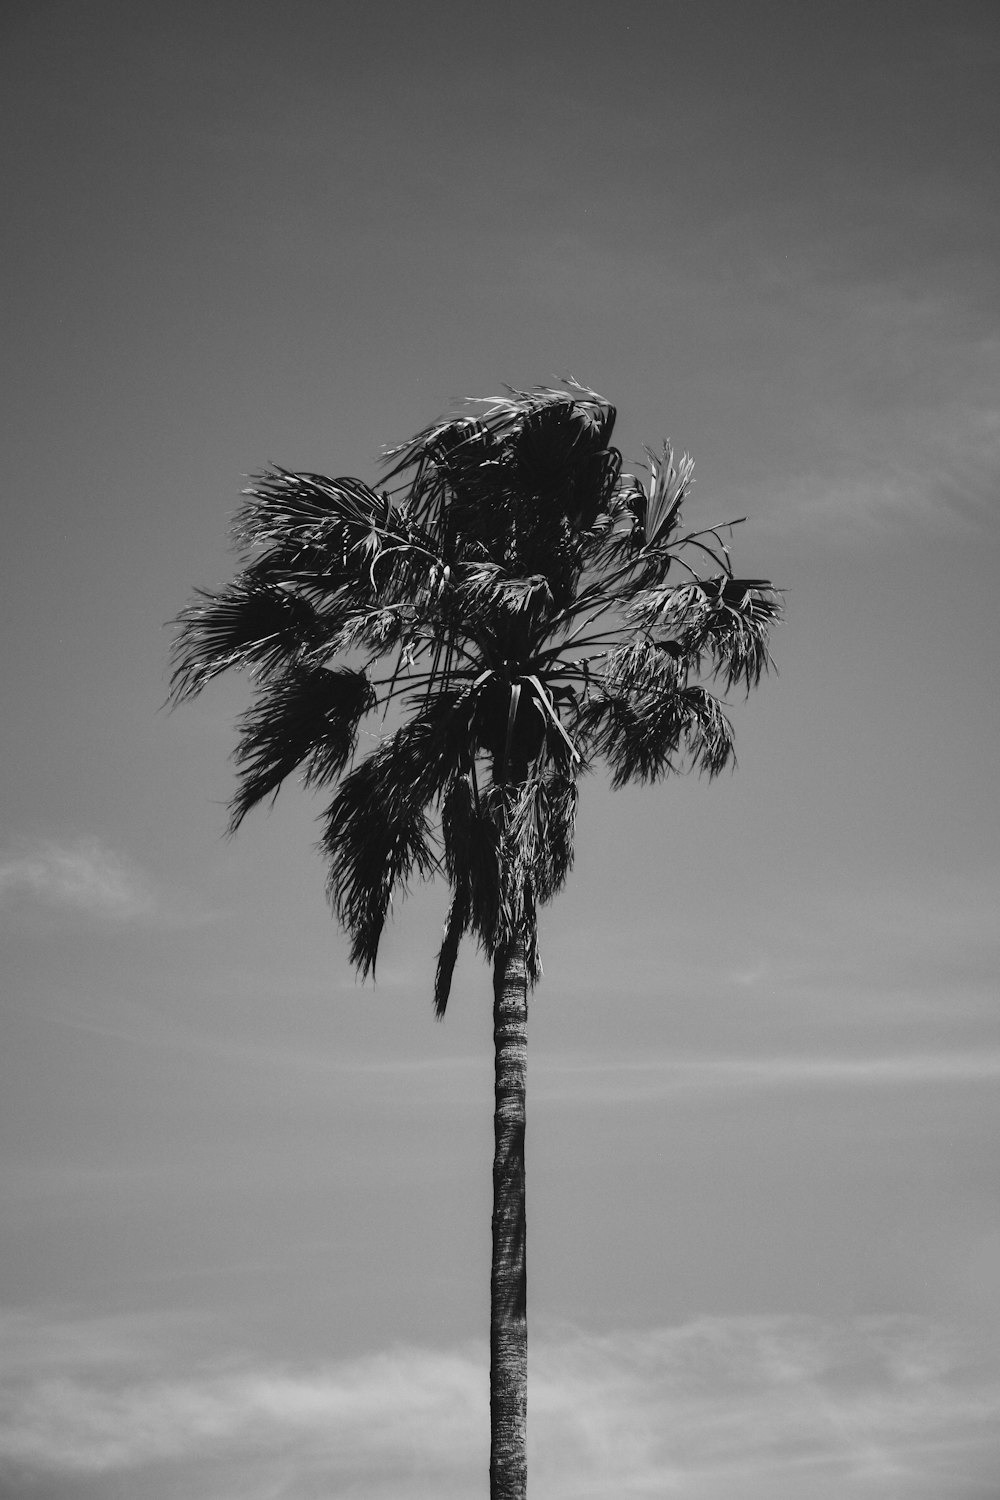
(602,1079)
(587,1079)
(83,876)
(847,953)
(883,416)
(907,427)
(609,1080)
(936,466)
(742,1408)
(86,879)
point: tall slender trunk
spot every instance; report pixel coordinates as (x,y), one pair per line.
(508,1281)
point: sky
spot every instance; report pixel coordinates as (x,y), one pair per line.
(245,1200)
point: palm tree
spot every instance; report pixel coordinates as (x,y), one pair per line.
(504,606)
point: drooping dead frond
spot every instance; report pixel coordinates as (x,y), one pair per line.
(554,816)
(506,850)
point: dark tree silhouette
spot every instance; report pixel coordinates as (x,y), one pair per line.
(505,601)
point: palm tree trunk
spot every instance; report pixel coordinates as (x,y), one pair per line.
(508,1281)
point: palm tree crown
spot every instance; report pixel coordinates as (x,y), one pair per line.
(517,607)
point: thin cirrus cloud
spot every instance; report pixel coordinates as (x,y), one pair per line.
(87,880)
(887,412)
(588,1080)
(83,877)
(737,1407)
(899,418)
(606,1080)
(936,467)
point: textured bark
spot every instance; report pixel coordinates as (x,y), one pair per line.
(508,1282)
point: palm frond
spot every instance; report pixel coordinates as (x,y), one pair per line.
(377,629)
(708,732)
(472,834)
(456,483)
(643,664)
(455,928)
(249,624)
(471,865)
(378,830)
(503,854)
(560,458)
(555,810)
(283,511)
(523,465)
(504,412)
(726,620)
(311,715)
(739,628)
(646,736)
(676,610)
(377,834)
(332,538)
(529,935)
(670,483)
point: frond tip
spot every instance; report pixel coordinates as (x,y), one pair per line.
(669,485)
(251,624)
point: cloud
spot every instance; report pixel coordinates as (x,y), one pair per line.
(590,1080)
(736,1407)
(84,877)
(608,1080)
(94,1400)
(596,1080)
(882,418)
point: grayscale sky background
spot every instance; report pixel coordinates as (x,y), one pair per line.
(245,1203)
